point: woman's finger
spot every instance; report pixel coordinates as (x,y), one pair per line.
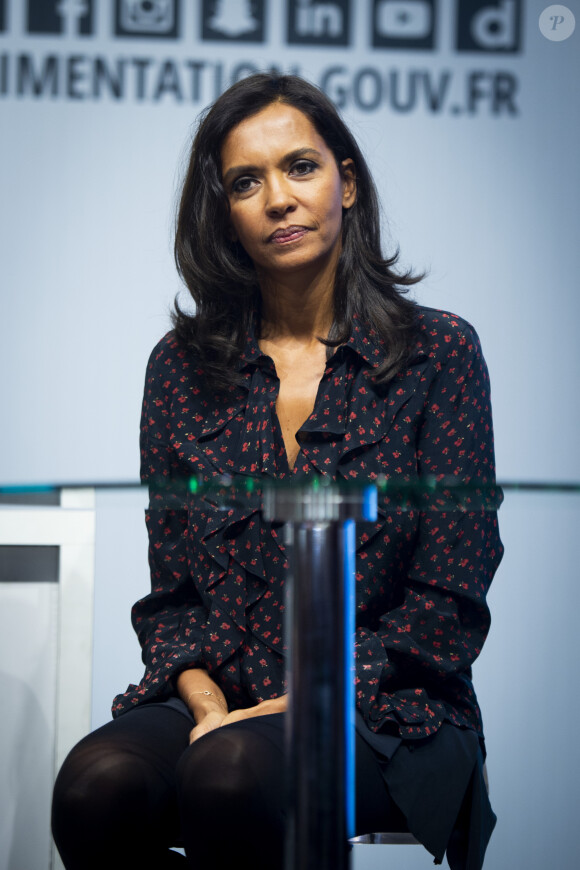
(209,723)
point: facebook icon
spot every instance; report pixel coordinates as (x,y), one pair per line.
(60,16)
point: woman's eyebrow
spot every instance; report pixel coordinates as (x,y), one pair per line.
(234,171)
(301,152)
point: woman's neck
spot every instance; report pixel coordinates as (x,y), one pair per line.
(296,310)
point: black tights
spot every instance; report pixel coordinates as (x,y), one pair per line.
(134,787)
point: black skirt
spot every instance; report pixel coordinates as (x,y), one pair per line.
(437,783)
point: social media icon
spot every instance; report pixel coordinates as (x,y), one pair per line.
(147,18)
(233,20)
(404,24)
(490,27)
(60,16)
(318,22)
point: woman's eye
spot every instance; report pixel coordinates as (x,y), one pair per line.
(243,185)
(303,167)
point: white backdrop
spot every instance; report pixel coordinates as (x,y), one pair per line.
(483,193)
(470,119)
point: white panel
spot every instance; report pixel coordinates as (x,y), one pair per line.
(45,526)
(46,640)
(28,656)
(75,646)
(81,497)
(122,574)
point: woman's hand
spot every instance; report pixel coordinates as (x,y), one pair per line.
(212,720)
(205,700)
(217,717)
(265,708)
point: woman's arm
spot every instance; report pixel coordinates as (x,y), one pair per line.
(205,700)
(208,705)
(264,708)
(170,620)
(416,664)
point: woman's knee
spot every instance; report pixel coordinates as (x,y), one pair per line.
(112,808)
(214,763)
(231,765)
(97,782)
(235,775)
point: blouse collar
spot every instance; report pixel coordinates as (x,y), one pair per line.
(364,342)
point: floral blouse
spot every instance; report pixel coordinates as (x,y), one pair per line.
(217,576)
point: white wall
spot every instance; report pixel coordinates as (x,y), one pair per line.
(487,202)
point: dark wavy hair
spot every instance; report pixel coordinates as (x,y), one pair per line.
(221,277)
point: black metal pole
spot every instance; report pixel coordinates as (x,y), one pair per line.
(317,837)
(320,522)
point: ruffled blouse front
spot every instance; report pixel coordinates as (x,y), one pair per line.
(218,573)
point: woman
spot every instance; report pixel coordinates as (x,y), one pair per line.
(303,359)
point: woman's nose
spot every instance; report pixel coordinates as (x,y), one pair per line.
(280,199)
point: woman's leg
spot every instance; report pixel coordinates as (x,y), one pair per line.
(231,789)
(114,803)
(232,795)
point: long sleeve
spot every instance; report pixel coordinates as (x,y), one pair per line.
(170,620)
(413,669)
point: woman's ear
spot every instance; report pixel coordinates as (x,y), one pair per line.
(348,172)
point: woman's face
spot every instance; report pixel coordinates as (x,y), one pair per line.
(286,192)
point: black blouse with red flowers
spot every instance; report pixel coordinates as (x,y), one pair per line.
(217,596)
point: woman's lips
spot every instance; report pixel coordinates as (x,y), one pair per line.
(288,234)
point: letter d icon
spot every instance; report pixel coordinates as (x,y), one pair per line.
(489,27)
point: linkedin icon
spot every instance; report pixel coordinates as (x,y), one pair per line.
(318,22)
(489,27)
